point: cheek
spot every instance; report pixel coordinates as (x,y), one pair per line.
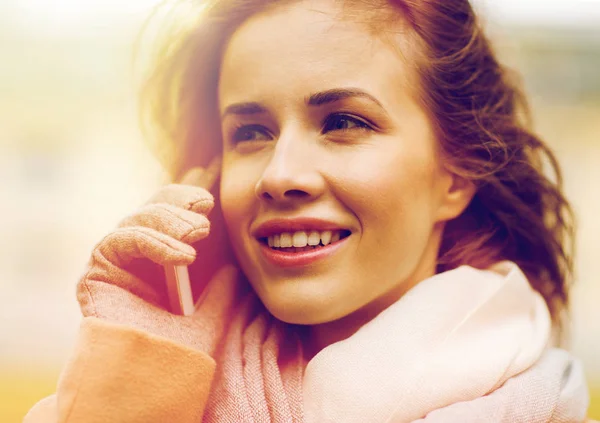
(394,202)
(388,184)
(391,194)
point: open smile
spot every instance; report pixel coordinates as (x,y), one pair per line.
(302,248)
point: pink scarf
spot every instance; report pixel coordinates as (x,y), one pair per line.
(259,373)
(463,346)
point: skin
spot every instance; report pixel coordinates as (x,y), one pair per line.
(369,164)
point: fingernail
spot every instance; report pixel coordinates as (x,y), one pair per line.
(201,177)
(193,176)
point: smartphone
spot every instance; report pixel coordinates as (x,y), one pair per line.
(209,260)
(179,290)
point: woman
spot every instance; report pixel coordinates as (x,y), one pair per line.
(398,253)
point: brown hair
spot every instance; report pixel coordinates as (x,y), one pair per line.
(479,113)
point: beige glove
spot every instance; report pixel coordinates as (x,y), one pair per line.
(125,280)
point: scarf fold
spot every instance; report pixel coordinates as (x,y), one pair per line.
(465,345)
(259,370)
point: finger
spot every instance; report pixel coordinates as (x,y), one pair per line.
(116,262)
(203,177)
(187,197)
(124,245)
(183,225)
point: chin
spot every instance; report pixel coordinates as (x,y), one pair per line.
(302,311)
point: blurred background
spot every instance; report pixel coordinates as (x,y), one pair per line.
(73,161)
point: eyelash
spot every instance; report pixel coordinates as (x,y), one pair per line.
(361,125)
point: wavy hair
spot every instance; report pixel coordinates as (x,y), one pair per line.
(478,111)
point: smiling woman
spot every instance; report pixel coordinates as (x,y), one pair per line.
(384,243)
(343,149)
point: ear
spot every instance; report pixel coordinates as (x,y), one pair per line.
(457,193)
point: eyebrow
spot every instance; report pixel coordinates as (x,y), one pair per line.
(338,94)
(317,99)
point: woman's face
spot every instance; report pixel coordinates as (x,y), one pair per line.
(325,143)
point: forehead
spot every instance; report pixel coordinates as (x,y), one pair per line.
(305,47)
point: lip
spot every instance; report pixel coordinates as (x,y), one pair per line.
(278,226)
(304,258)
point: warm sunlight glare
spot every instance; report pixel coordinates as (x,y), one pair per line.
(71,14)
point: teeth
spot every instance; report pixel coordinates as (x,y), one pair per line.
(302,239)
(285,240)
(314,238)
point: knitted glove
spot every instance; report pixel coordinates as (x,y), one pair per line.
(125,280)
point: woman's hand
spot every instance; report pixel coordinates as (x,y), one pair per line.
(125,280)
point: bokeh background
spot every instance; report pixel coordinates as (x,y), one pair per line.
(73,161)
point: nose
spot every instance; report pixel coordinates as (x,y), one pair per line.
(291,175)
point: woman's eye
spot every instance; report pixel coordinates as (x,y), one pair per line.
(344,123)
(250,133)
